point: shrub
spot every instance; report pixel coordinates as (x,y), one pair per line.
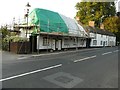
(6,41)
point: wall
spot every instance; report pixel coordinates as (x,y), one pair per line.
(69,42)
(103,40)
(111,41)
(40,43)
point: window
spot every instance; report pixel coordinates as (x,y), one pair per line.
(66,41)
(94,42)
(101,43)
(106,42)
(45,41)
(74,40)
(106,36)
(95,35)
(82,41)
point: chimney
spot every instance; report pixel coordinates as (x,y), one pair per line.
(101,26)
(92,23)
(77,18)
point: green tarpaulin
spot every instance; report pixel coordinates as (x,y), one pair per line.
(48,21)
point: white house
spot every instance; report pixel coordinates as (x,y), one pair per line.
(101,37)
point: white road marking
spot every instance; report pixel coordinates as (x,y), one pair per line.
(44,54)
(116,51)
(22,57)
(106,53)
(24,74)
(85,58)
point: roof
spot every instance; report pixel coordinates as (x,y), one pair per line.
(99,31)
(50,21)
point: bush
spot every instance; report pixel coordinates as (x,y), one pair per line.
(0,43)
(6,41)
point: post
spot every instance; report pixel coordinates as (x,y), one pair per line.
(76,43)
(27,22)
(47,35)
(28,6)
(38,37)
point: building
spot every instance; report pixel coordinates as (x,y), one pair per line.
(100,37)
(48,30)
(118,8)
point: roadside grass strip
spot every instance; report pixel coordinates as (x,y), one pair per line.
(28,73)
(106,53)
(85,58)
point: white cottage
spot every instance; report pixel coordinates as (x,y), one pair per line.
(100,37)
(50,30)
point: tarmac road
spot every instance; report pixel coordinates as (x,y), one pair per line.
(89,68)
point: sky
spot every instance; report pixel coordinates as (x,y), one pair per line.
(16,8)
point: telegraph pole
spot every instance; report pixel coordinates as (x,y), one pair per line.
(26,15)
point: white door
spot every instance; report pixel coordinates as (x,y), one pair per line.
(53,44)
(59,44)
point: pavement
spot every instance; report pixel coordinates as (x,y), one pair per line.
(88,68)
(0,69)
(9,56)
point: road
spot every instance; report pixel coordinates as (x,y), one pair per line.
(89,68)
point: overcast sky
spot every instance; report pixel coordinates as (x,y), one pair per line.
(15,8)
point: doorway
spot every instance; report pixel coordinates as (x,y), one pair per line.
(53,44)
(58,44)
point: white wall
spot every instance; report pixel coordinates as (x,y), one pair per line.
(22,33)
(118,6)
(109,40)
(70,43)
(40,43)
(101,38)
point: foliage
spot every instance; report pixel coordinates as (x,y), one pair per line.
(96,11)
(14,39)
(118,33)
(7,37)
(4,31)
(111,24)
(6,41)
(0,43)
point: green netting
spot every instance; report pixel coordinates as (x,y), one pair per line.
(48,21)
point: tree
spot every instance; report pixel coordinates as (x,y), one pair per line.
(4,31)
(95,11)
(118,33)
(111,24)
